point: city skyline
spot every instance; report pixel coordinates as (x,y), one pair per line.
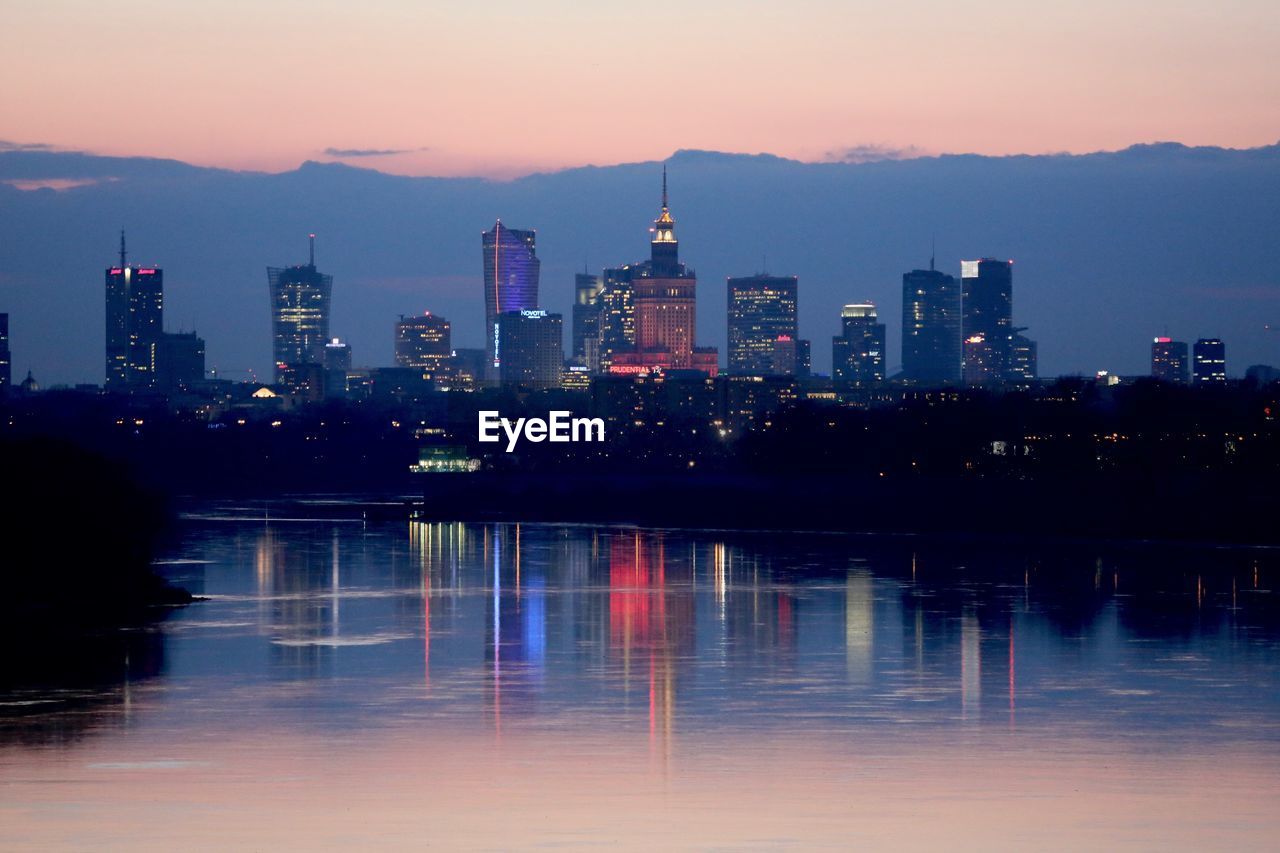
(1145,286)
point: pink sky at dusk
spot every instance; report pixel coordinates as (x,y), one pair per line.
(503,88)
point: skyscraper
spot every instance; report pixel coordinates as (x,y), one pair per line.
(1024,358)
(135,320)
(586,320)
(530,348)
(1209,362)
(1169,361)
(987,310)
(931,332)
(423,341)
(6,374)
(664,296)
(857,353)
(300,302)
(179,362)
(511,269)
(337,364)
(762,311)
(617,314)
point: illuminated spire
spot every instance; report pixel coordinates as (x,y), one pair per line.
(664,186)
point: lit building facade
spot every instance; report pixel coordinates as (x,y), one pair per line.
(931,328)
(530,348)
(1024,359)
(1169,361)
(1209,362)
(664,297)
(337,364)
(857,353)
(134,324)
(762,312)
(424,341)
(987,314)
(586,320)
(300,304)
(511,273)
(617,319)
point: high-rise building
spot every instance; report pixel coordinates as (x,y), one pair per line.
(467,367)
(6,367)
(1023,358)
(586,320)
(511,270)
(1209,362)
(804,358)
(857,353)
(617,315)
(664,297)
(931,333)
(424,341)
(135,322)
(337,364)
(987,313)
(300,301)
(1169,361)
(179,362)
(530,348)
(784,358)
(762,311)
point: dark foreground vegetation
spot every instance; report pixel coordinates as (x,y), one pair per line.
(80,597)
(1073,459)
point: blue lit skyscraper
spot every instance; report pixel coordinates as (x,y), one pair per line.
(511,269)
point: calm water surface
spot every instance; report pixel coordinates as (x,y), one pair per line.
(490,686)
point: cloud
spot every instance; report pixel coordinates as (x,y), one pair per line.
(873,153)
(370,152)
(56,184)
(6,145)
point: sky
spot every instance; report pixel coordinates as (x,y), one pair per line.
(504,88)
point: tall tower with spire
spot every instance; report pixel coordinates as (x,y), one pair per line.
(665,247)
(665,305)
(134,323)
(300,302)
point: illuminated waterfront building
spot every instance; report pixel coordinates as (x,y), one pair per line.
(134,323)
(857,353)
(931,333)
(1169,361)
(762,312)
(424,341)
(987,314)
(300,303)
(530,348)
(511,271)
(1209,362)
